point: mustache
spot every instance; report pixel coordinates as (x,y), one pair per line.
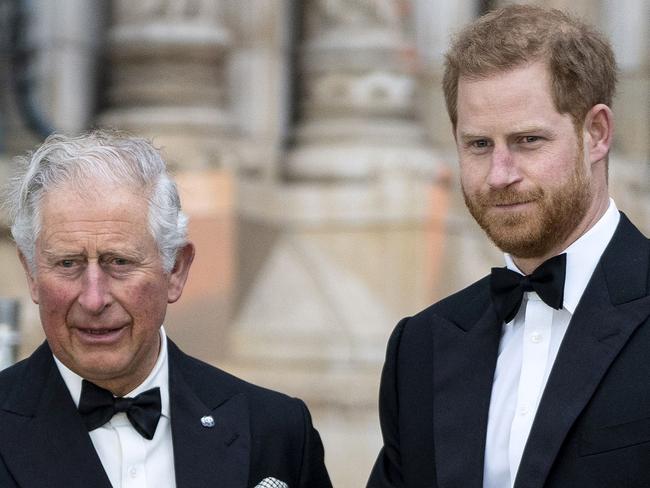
(507,196)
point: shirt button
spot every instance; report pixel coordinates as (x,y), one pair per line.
(523,410)
(536,337)
(133,472)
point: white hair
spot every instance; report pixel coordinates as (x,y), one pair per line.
(97,156)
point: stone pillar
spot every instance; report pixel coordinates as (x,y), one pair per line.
(436,22)
(260,63)
(168,77)
(626,24)
(342,234)
(54,65)
(357,92)
(69,35)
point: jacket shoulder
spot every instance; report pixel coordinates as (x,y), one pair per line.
(23,382)
(10,377)
(463,307)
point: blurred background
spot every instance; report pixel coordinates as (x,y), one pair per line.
(315,159)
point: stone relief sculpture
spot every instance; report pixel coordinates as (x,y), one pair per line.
(168,10)
(329,14)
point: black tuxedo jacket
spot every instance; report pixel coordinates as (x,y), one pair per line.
(592,428)
(257,434)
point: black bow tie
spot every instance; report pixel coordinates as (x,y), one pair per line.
(97,406)
(508,287)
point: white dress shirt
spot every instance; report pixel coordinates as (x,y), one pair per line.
(130,460)
(527,351)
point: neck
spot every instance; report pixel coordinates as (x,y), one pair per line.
(120,386)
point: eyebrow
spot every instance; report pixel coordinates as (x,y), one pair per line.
(51,255)
(524,129)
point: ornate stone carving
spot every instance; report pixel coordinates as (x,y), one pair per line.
(168,77)
(168,10)
(357,114)
(364,14)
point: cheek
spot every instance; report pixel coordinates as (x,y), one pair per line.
(554,164)
(146,300)
(54,307)
(470,178)
(55,300)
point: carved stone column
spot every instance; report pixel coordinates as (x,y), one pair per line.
(168,77)
(341,234)
(357,94)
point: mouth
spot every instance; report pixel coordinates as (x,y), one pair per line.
(104,335)
(512,205)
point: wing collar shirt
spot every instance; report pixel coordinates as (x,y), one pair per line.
(130,460)
(527,350)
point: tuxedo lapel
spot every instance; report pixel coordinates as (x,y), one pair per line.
(46,442)
(614,304)
(464,361)
(206,455)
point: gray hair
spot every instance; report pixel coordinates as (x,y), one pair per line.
(103,156)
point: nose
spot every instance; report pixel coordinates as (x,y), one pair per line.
(503,169)
(95,295)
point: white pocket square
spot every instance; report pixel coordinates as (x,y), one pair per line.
(271,483)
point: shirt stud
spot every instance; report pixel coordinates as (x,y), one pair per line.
(207,421)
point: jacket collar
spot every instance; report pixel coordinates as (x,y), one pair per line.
(207,452)
(46,443)
(616,301)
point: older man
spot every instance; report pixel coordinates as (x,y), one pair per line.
(108,399)
(538,375)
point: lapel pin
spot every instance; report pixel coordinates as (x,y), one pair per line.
(207,421)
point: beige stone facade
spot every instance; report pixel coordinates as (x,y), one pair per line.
(315,159)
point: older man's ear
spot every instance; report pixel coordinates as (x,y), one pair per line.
(31,281)
(180,271)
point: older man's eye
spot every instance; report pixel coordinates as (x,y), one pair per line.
(116,261)
(67,263)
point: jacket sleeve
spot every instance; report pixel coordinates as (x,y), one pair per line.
(6,480)
(313,473)
(387,471)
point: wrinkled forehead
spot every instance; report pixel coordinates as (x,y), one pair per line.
(93,187)
(69,206)
(68,215)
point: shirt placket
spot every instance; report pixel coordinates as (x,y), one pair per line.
(535,350)
(133,453)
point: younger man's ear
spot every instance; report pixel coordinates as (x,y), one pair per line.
(598,130)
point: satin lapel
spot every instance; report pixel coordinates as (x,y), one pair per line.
(463,370)
(614,304)
(46,441)
(207,456)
